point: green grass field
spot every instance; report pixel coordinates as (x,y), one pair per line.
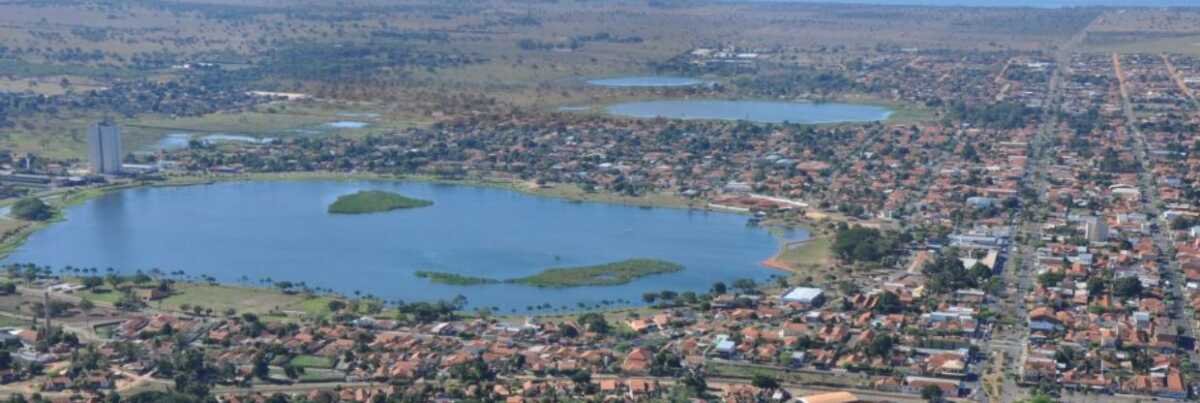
(813,252)
(312,361)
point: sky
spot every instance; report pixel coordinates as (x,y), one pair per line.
(1008,3)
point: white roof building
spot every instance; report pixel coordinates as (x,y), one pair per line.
(803,295)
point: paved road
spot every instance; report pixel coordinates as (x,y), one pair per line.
(1184,316)
(1018,272)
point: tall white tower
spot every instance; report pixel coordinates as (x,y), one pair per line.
(104,147)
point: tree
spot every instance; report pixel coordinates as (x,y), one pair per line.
(745,285)
(861,244)
(650,297)
(92,282)
(696,383)
(881,346)
(764,382)
(262,369)
(581,377)
(293,372)
(931,393)
(594,322)
(568,331)
(86,305)
(162,397)
(888,303)
(1050,278)
(1040,398)
(947,274)
(1096,285)
(1127,287)
(719,288)
(336,305)
(32,209)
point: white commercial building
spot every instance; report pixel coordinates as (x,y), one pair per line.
(804,295)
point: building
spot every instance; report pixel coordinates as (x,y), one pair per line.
(804,295)
(104,147)
(1095,229)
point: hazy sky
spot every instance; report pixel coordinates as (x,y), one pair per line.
(1008,3)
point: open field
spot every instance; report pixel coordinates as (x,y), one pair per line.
(477,64)
(219,298)
(311,361)
(804,259)
(61,136)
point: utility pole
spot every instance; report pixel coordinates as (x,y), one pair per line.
(46,309)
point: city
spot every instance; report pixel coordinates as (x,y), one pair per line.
(396,200)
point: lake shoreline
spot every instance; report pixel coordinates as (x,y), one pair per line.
(80,196)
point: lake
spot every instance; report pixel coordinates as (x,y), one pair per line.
(280,230)
(179,141)
(347,124)
(645,81)
(754,111)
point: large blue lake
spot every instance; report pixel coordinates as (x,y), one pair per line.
(280,229)
(754,111)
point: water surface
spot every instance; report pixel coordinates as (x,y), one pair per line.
(754,111)
(347,124)
(179,141)
(280,230)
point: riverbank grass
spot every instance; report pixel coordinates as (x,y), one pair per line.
(374,201)
(814,252)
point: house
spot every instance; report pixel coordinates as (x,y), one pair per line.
(637,361)
(1043,319)
(150,294)
(726,348)
(949,387)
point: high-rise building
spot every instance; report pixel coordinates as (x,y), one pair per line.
(104,147)
(1095,229)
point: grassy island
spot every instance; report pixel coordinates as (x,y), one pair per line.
(615,273)
(454,279)
(374,201)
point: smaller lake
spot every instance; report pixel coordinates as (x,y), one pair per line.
(347,124)
(754,111)
(179,141)
(645,81)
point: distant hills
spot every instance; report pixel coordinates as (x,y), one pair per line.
(1001,3)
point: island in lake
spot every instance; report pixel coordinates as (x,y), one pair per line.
(374,201)
(615,273)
